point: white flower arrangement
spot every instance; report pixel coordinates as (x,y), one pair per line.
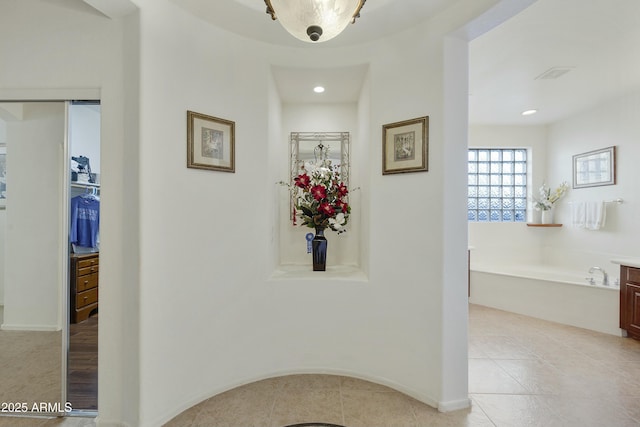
(547,199)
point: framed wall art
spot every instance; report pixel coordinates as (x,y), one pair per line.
(595,168)
(210,143)
(405,146)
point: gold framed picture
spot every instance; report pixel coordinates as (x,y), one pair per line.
(210,143)
(405,146)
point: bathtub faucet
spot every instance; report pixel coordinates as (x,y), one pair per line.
(605,277)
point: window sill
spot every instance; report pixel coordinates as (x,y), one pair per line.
(543,225)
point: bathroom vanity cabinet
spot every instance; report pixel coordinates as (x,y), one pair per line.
(84,286)
(630,300)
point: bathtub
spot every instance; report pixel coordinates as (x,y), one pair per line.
(547,292)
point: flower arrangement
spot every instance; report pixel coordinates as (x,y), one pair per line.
(320,198)
(547,198)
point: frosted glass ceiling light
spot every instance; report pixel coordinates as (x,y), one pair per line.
(314,20)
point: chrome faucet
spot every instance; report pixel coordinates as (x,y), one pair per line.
(605,277)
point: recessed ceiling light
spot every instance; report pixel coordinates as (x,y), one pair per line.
(318,89)
(529,112)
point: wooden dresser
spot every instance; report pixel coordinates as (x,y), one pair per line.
(84,286)
(630,300)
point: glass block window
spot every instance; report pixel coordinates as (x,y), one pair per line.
(497,185)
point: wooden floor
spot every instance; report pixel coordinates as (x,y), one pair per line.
(82,386)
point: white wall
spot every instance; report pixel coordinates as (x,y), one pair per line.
(511,241)
(612,123)
(278,163)
(363,173)
(343,249)
(33,267)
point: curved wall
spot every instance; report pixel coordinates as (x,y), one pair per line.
(207,239)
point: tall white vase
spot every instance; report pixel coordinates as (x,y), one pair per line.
(547,216)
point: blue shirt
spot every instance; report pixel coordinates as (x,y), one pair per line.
(85,221)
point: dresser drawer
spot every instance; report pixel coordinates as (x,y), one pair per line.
(633,275)
(86,282)
(83,263)
(80,314)
(88,270)
(86,298)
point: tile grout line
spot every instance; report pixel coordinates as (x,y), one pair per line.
(473,402)
(273,403)
(344,422)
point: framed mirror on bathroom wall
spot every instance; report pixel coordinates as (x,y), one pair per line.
(595,168)
(308,147)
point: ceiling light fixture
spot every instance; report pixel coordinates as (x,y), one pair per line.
(311,20)
(318,89)
(529,112)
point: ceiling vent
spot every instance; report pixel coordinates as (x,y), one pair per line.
(554,73)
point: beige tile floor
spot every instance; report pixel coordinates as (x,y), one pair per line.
(28,358)
(522,372)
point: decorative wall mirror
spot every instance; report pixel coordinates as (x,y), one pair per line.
(595,168)
(33,263)
(309,147)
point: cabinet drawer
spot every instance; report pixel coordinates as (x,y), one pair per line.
(86,282)
(86,298)
(88,270)
(633,275)
(84,263)
(80,314)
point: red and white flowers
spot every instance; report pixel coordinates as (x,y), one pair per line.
(320,198)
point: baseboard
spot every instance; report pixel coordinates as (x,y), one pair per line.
(454,405)
(35,328)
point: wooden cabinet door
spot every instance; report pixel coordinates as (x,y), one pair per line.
(632,317)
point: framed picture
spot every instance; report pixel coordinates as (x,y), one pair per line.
(210,143)
(3,176)
(595,168)
(405,146)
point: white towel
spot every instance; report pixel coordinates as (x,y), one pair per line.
(578,216)
(595,215)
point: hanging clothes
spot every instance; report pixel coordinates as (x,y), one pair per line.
(85,220)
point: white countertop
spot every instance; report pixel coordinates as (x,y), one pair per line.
(629,262)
